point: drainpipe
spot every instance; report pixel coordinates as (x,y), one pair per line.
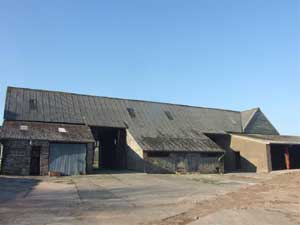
(221,157)
(287,158)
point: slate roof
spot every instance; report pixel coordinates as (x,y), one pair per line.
(246,116)
(46,131)
(154,125)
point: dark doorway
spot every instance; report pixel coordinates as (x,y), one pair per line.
(277,157)
(294,154)
(237,157)
(281,155)
(35,160)
(111,147)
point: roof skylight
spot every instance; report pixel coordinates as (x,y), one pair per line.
(131,112)
(62,130)
(169,115)
(23,127)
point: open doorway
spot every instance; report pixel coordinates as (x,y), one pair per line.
(238,164)
(110,149)
(285,157)
(35,160)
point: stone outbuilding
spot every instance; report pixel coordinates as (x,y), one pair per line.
(34,148)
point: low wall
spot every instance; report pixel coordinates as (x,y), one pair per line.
(184,162)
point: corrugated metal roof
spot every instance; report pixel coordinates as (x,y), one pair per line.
(46,131)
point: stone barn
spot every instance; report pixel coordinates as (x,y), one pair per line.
(48,131)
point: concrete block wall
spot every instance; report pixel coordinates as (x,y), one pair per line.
(255,154)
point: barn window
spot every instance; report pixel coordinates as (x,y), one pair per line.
(169,115)
(62,130)
(158,154)
(131,112)
(32,104)
(210,154)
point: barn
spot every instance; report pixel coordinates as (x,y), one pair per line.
(49,131)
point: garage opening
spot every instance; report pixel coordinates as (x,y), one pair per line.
(67,159)
(285,157)
(110,150)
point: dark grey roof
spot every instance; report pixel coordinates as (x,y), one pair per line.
(46,131)
(246,117)
(153,124)
(259,124)
(274,139)
(63,107)
(200,144)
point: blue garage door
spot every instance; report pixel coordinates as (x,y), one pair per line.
(68,159)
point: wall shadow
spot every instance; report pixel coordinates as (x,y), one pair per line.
(13,187)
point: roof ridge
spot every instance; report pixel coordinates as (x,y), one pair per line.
(255,110)
(136,100)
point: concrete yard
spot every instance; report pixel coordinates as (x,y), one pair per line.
(148,199)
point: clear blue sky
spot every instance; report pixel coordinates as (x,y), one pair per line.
(229,54)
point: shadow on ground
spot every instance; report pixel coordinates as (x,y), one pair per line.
(13,187)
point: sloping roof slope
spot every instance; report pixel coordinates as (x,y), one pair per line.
(62,107)
(259,124)
(246,117)
(154,125)
(46,131)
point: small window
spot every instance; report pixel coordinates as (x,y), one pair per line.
(23,127)
(158,154)
(210,154)
(169,115)
(32,104)
(131,112)
(62,130)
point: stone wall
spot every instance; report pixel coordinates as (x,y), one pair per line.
(44,156)
(134,154)
(184,163)
(16,157)
(224,140)
(89,157)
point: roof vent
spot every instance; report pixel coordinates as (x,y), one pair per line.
(62,130)
(32,104)
(23,127)
(131,112)
(169,115)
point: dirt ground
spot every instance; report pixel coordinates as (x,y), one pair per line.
(137,198)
